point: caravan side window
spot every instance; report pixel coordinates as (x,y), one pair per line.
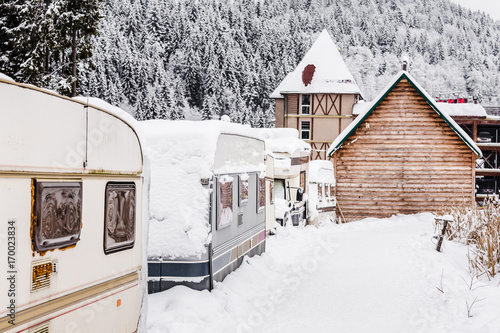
(261,192)
(224,202)
(58,211)
(119,232)
(243,190)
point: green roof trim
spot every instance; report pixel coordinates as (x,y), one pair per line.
(404,75)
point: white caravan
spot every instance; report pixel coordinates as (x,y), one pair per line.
(291,160)
(207,200)
(321,204)
(70,213)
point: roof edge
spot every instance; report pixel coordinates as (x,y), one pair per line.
(337,144)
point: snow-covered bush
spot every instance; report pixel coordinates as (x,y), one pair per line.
(479,228)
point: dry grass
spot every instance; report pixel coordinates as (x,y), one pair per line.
(479,228)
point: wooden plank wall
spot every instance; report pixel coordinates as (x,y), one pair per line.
(403,159)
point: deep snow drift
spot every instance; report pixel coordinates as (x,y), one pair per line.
(366,276)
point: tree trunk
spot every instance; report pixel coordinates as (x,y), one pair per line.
(73,49)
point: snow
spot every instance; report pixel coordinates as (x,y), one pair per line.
(331,74)
(283,140)
(321,172)
(6,78)
(463,109)
(181,153)
(103,105)
(281,206)
(364,108)
(367,276)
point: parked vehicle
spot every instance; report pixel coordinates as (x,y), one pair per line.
(207,201)
(321,195)
(484,137)
(291,160)
(71,192)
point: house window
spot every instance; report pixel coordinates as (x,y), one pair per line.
(305,130)
(224,202)
(119,233)
(306,104)
(261,200)
(58,209)
(243,190)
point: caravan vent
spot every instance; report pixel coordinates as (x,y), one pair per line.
(240,219)
(40,274)
(44,328)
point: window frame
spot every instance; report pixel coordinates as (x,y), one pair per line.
(305,130)
(219,203)
(261,196)
(242,200)
(306,106)
(124,245)
(38,214)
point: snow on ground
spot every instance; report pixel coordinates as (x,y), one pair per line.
(366,276)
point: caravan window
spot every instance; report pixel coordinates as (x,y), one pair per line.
(303,181)
(261,200)
(243,190)
(119,233)
(58,211)
(271,192)
(224,202)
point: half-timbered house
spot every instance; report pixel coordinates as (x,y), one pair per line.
(402,154)
(317,98)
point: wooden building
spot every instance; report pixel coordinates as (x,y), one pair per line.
(483,126)
(317,98)
(402,154)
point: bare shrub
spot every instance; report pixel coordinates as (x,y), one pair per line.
(479,228)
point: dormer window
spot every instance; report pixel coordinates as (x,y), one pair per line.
(306,104)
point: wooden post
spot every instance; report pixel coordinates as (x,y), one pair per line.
(444,221)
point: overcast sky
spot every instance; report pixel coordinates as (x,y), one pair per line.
(491,7)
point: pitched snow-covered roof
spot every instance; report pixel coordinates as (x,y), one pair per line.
(322,70)
(365,109)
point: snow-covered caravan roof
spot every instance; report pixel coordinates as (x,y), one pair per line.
(328,73)
(321,172)
(181,153)
(365,109)
(283,140)
(41,131)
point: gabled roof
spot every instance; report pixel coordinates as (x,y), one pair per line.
(322,70)
(365,109)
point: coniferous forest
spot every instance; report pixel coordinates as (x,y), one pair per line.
(200,59)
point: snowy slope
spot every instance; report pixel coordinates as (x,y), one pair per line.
(366,276)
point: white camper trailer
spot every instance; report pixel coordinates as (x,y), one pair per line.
(207,200)
(70,212)
(291,160)
(321,194)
